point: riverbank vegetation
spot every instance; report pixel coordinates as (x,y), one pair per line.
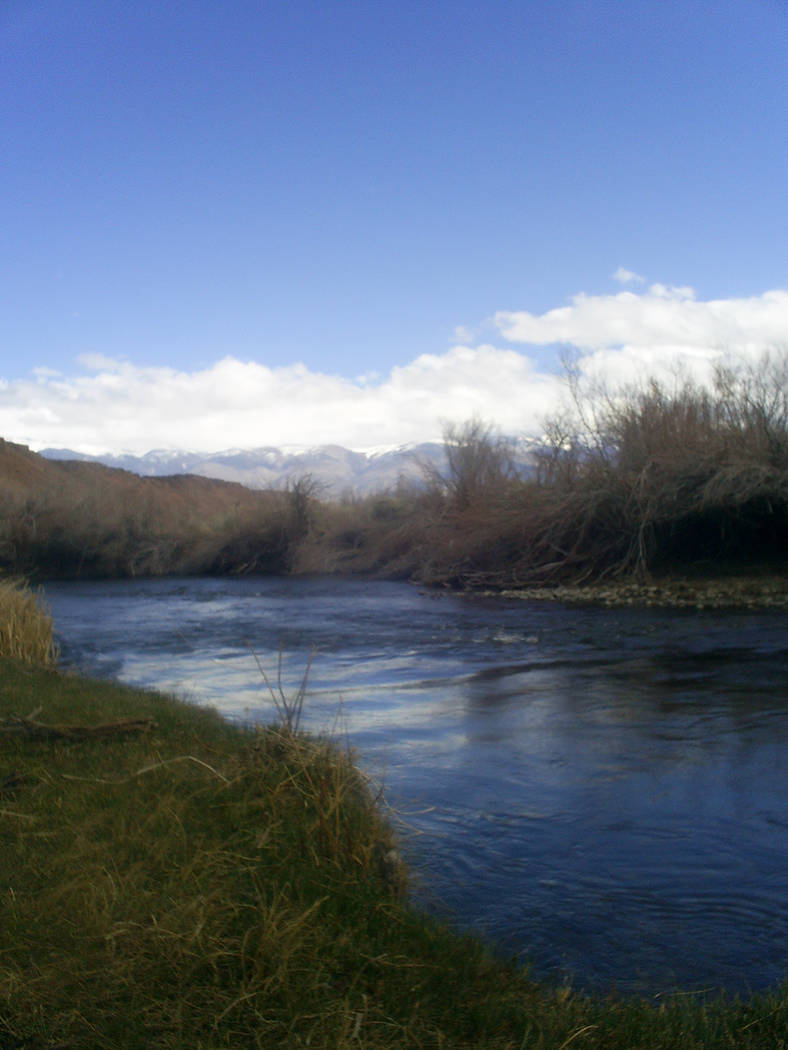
(71,519)
(26,629)
(170,880)
(655,481)
(662,479)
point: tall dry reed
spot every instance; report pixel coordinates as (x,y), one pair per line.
(26,630)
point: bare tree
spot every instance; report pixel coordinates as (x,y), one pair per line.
(302,494)
(479,464)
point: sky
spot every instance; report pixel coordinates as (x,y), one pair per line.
(280,222)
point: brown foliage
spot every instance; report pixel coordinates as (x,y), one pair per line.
(63,518)
(654,478)
(660,474)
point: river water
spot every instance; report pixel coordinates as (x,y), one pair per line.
(602,793)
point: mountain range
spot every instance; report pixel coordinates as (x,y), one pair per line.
(337,469)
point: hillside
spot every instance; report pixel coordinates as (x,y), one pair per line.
(67,517)
(30,472)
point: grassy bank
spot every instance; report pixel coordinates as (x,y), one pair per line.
(169,880)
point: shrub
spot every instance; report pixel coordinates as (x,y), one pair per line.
(656,473)
(480,465)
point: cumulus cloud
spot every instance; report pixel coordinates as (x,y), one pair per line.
(624,335)
(663,314)
(113,405)
(121,406)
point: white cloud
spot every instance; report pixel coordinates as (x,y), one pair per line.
(659,326)
(243,403)
(628,337)
(624,276)
(113,405)
(99,362)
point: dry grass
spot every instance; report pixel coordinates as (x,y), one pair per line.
(26,630)
(183,887)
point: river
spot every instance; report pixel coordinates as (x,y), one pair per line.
(603,793)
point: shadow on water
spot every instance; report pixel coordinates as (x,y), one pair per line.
(601,792)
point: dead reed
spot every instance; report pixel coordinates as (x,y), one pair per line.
(26,629)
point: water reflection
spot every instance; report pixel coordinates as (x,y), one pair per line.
(601,791)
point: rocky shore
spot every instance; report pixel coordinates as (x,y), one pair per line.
(726,592)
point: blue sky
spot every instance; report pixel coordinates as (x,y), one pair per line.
(270,222)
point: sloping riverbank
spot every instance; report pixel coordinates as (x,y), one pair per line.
(170,880)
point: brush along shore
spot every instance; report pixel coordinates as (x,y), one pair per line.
(666,476)
(168,879)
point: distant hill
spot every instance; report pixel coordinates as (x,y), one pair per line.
(82,482)
(74,517)
(338,469)
(64,515)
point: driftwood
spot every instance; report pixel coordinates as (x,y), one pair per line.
(35,730)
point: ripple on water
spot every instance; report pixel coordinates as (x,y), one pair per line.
(601,791)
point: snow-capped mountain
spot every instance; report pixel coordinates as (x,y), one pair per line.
(338,469)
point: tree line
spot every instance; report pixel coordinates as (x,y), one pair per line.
(623,484)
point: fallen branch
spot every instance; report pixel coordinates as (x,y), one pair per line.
(149,769)
(35,730)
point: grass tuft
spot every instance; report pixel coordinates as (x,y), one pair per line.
(288,708)
(26,630)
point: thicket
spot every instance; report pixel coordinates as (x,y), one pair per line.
(660,475)
(646,480)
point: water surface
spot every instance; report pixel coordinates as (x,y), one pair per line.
(601,792)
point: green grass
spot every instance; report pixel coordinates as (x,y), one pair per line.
(198,885)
